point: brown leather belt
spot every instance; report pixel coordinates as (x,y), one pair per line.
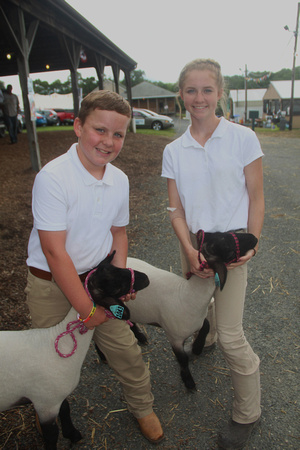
(44,275)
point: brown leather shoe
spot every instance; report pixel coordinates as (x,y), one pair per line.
(151,428)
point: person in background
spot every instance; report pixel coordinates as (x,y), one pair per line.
(215,183)
(80,205)
(11,108)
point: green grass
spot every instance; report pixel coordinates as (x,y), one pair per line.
(295,133)
(54,128)
(170,132)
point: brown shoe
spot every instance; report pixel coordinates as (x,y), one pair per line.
(151,428)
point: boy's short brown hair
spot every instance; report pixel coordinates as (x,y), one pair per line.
(104,100)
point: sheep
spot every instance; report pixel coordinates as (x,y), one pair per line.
(32,369)
(178,305)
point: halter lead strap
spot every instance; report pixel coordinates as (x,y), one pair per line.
(204,264)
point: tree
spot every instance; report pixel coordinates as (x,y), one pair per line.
(173,87)
(235,82)
(41,87)
(88,85)
(137,76)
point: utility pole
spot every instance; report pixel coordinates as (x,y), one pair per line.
(293,71)
(246,106)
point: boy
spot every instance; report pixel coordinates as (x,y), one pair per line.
(80,207)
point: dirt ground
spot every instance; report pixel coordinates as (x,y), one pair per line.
(271,313)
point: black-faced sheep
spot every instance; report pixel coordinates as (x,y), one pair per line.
(32,370)
(178,305)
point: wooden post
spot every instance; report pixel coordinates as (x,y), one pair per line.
(246,95)
(24,41)
(293,71)
(116,72)
(73,52)
(100,66)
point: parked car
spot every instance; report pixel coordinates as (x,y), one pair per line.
(145,120)
(41,120)
(51,116)
(2,125)
(152,112)
(65,116)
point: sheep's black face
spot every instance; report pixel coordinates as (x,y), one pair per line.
(220,249)
(108,283)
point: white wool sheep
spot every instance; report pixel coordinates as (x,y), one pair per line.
(31,369)
(178,305)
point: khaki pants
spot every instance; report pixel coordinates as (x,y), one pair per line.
(242,361)
(48,306)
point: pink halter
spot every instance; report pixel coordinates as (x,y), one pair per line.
(204,264)
(72,326)
(108,313)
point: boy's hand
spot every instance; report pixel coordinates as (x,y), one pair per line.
(98,318)
(128,297)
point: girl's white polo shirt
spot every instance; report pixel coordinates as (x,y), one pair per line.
(67,197)
(210,179)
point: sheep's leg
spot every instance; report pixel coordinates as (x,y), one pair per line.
(100,354)
(142,339)
(68,429)
(49,432)
(185,373)
(199,342)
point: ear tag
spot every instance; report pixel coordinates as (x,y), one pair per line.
(217,280)
(117,311)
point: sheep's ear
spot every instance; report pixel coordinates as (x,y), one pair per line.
(220,268)
(108,259)
(141,280)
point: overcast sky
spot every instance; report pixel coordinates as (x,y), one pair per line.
(163,35)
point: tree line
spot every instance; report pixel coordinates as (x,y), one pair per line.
(255,80)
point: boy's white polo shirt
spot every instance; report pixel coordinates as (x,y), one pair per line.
(210,179)
(67,197)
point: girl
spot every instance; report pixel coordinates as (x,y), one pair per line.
(215,183)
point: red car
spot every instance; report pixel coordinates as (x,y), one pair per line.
(65,116)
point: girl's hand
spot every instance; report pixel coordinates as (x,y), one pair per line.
(243,259)
(195,266)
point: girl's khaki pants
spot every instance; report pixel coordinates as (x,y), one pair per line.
(227,309)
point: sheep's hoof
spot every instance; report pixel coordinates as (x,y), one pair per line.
(191,387)
(76,436)
(189,383)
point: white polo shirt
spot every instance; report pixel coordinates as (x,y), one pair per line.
(67,197)
(210,179)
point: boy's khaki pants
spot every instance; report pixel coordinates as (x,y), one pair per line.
(48,306)
(242,361)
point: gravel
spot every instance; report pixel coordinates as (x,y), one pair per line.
(271,320)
